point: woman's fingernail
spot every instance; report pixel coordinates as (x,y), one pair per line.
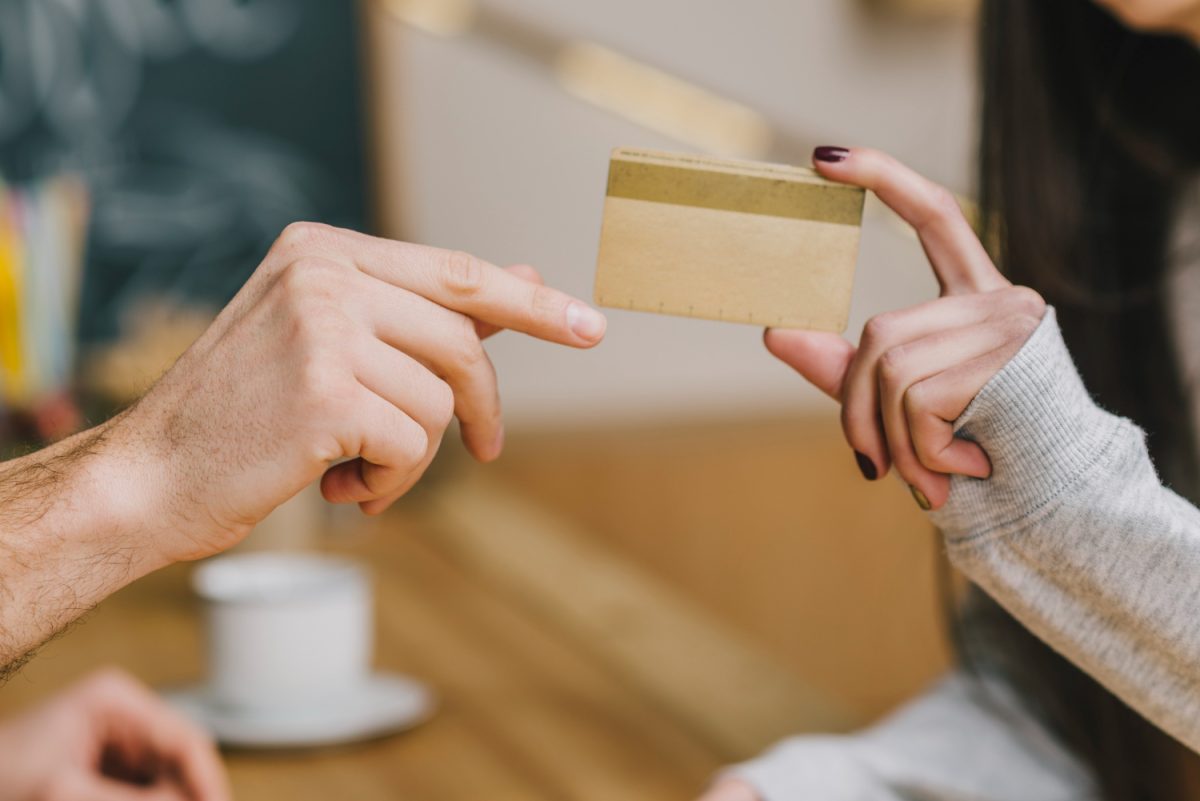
(869,471)
(921,500)
(585,321)
(498,442)
(831,155)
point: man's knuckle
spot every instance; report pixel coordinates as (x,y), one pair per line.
(308,292)
(463,274)
(415,446)
(315,326)
(324,384)
(304,234)
(468,349)
(305,283)
(544,303)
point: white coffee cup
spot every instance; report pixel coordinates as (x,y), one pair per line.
(285,630)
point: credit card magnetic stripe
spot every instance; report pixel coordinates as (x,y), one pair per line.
(725,191)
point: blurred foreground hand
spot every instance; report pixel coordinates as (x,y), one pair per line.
(108,738)
(730,790)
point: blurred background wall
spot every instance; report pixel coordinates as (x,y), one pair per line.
(483,149)
(195,130)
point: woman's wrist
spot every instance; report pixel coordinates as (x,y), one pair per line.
(1043,433)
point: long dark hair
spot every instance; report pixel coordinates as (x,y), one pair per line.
(1090,137)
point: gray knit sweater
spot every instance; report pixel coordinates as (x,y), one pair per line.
(1076,536)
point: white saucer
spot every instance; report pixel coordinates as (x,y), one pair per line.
(383,705)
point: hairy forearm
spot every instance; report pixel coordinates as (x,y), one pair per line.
(66,539)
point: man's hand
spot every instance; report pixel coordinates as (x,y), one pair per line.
(343,359)
(108,739)
(340,347)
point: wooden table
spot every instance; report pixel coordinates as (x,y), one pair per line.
(536,703)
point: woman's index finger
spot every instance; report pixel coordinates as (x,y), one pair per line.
(959,260)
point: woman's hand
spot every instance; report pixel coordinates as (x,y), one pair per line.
(108,738)
(730,790)
(341,346)
(915,371)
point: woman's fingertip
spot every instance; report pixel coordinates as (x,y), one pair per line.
(921,498)
(866,466)
(830,154)
(769,340)
(780,342)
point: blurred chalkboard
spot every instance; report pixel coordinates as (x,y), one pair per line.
(202,128)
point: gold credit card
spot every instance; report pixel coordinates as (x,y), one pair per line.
(764,244)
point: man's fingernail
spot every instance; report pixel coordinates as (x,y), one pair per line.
(585,321)
(869,471)
(498,443)
(921,500)
(832,155)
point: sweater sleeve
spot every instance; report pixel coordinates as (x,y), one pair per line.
(1077,537)
(963,740)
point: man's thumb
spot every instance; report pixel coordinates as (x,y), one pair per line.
(820,357)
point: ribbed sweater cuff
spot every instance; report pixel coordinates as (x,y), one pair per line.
(1042,431)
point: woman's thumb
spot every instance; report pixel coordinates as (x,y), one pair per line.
(819,356)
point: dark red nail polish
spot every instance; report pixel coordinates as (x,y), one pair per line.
(832,155)
(869,471)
